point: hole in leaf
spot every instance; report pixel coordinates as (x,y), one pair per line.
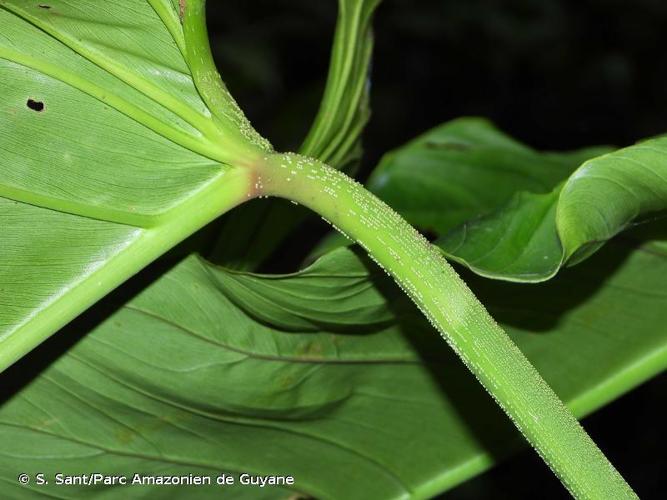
(44,6)
(35,105)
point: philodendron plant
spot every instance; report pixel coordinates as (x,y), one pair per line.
(119,139)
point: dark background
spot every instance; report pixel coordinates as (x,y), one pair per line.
(556,74)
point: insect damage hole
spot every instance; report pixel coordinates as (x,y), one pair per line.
(44,6)
(35,105)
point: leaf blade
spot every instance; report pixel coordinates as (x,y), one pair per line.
(511,213)
(340,392)
(104,149)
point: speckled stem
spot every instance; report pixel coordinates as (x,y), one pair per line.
(421,271)
(230,128)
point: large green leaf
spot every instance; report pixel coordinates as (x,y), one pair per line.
(109,155)
(509,212)
(211,371)
(463,169)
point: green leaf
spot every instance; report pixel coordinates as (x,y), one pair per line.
(109,155)
(608,194)
(211,371)
(334,137)
(519,242)
(509,212)
(463,169)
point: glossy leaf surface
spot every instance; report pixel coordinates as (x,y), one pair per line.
(515,213)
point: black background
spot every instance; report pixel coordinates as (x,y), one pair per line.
(555,74)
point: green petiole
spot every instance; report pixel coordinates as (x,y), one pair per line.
(424,274)
(420,270)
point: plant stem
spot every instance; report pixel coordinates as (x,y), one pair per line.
(423,273)
(229,126)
